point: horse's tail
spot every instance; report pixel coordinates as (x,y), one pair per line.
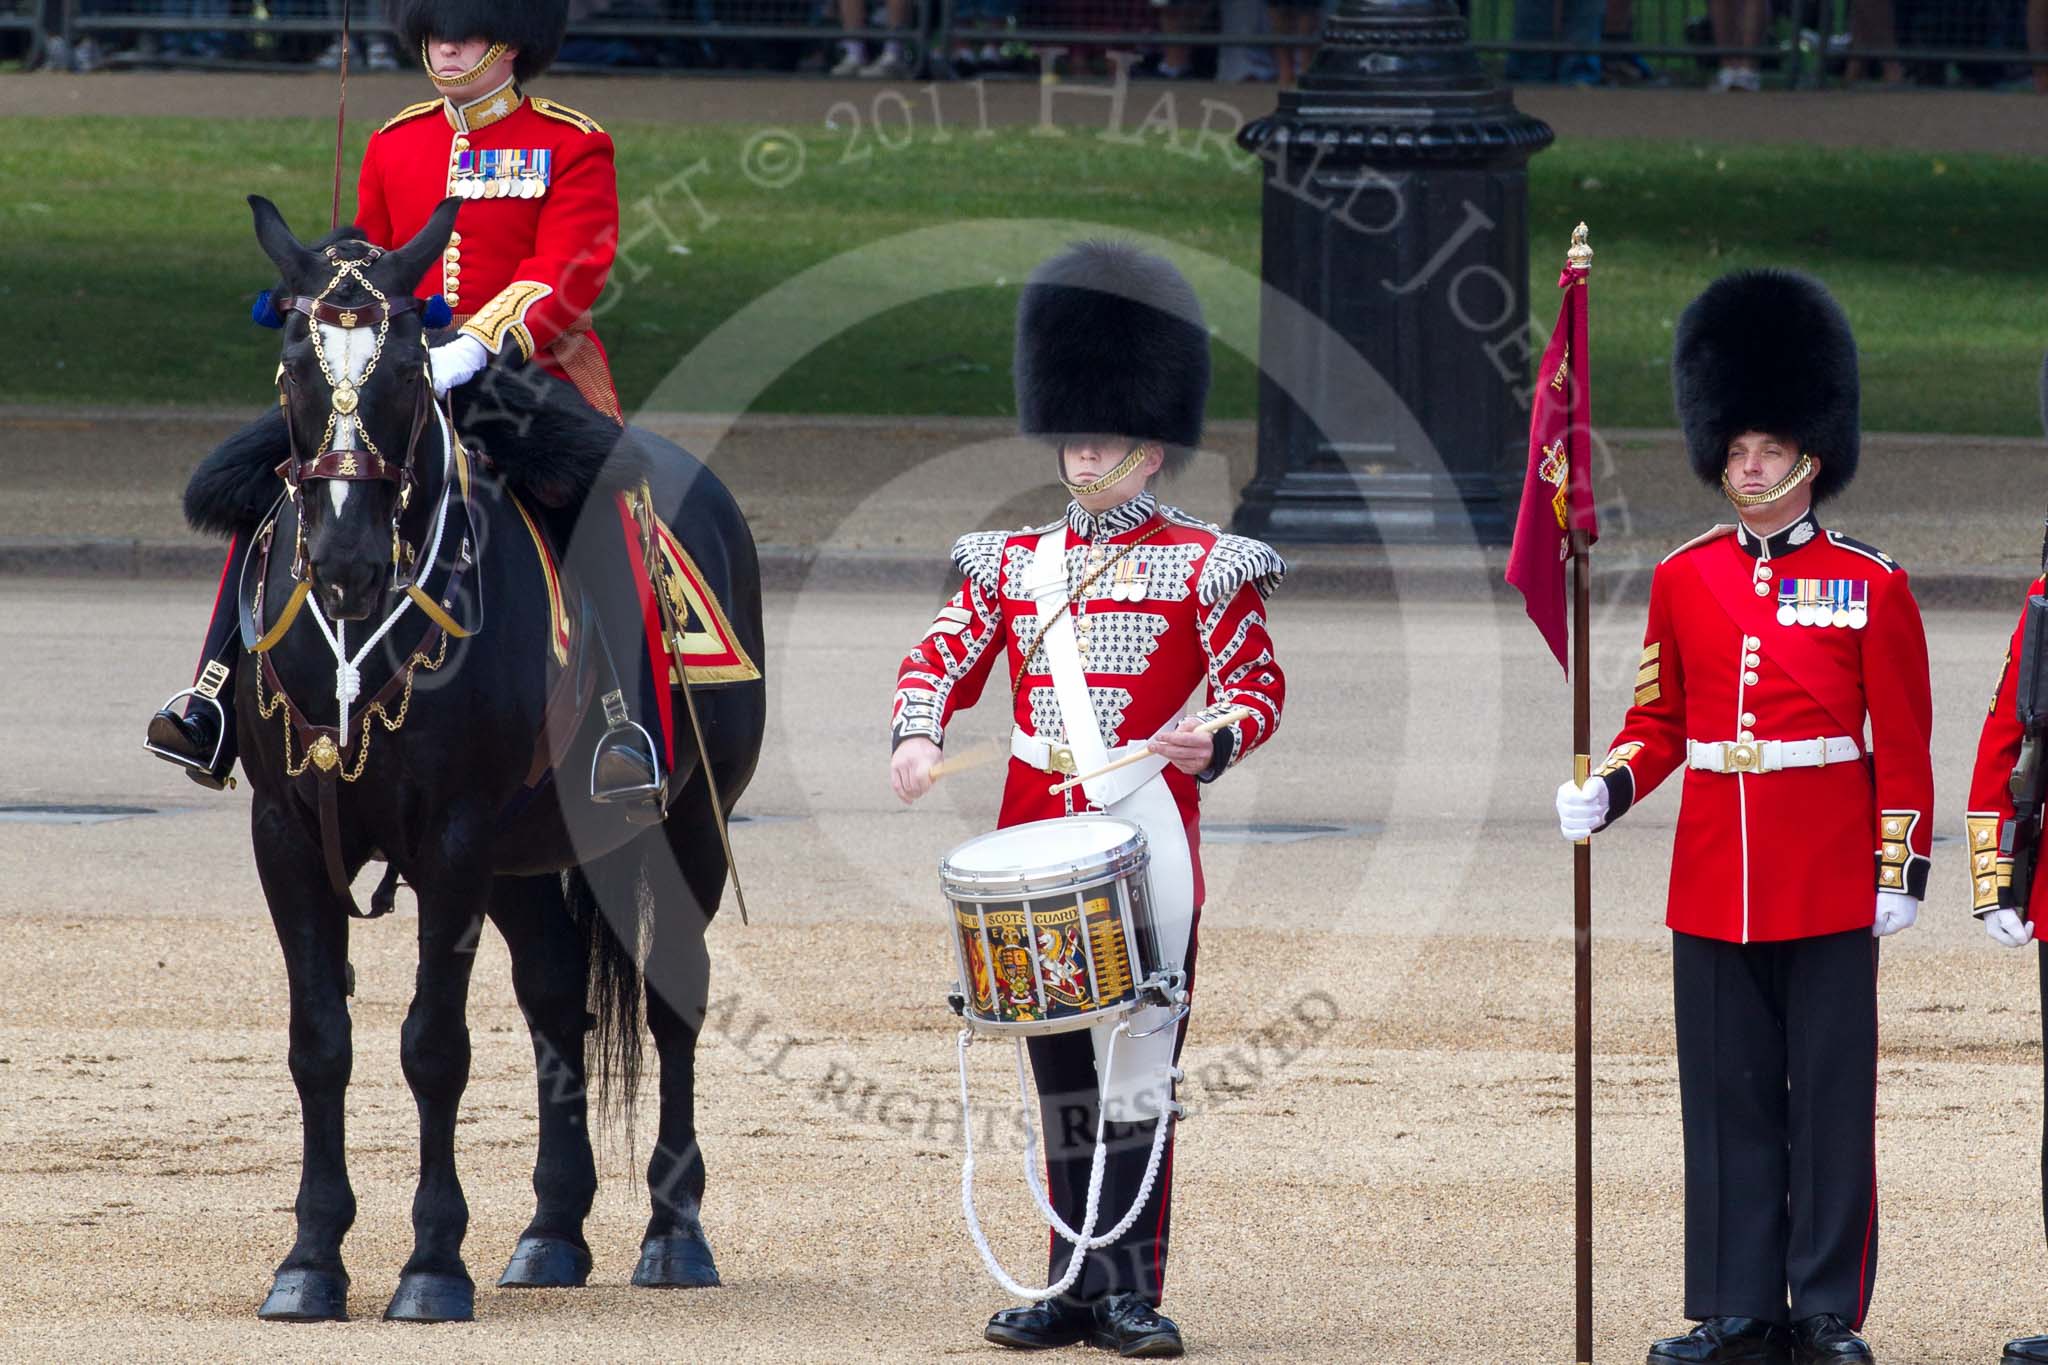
(608,899)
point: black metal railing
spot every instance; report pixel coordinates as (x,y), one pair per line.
(1804,43)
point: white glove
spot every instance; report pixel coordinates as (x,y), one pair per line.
(456,362)
(1581,810)
(1895,911)
(2008,928)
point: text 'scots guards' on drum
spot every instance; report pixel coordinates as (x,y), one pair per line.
(1052,927)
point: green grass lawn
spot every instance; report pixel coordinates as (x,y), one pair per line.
(127,262)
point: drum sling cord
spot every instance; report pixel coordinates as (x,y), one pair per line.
(1085,1240)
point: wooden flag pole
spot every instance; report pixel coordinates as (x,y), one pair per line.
(1582,944)
(1581,255)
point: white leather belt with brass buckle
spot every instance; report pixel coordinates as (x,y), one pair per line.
(1768,755)
(1041,754)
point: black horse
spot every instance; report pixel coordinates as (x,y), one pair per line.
(443,765)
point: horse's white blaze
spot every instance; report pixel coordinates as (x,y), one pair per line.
(348,351)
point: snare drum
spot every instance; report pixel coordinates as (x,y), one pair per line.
(1052,925)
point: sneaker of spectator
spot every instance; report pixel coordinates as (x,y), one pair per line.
(890,66)
(87,56)
(147,51)
(381,57)
(852,57)
(1734,78)
(56,54)
(330,57)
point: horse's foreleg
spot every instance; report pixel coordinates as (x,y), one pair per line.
(312,929)
(548,976)
(434,1050)
(686,888)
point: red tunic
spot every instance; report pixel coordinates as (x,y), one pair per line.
(537,232)
(1799,852)
(1998,748)
(1188,613)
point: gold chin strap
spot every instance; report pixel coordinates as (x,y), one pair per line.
(489,59)
(1110,480)
(1792,480)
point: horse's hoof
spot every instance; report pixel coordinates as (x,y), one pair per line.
(546,1263)
(300,1295)
(427,1297)
(680,1260)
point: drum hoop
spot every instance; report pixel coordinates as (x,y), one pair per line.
(984,888)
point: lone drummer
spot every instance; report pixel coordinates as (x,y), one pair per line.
(1112,371)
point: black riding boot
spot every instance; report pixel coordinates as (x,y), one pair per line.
(195,729)
(629,766)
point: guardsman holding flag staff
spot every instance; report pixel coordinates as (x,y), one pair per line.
(1773,646)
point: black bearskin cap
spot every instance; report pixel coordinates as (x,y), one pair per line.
(1110,342)
(535,27)
(1770,351)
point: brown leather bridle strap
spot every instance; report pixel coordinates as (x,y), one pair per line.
(350,466)
(361,315)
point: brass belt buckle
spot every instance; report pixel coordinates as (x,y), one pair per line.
(1822,745)
(1742,758)
(1061,759)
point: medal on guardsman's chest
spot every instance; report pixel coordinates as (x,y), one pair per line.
(1840,602)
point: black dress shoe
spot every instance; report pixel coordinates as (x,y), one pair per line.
(1825,1339)
(1128,1325)
(1041,1326)
(193,743)
(1726,1341)
(2026,1351)
(623,770)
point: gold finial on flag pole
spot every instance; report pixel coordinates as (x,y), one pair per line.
(1580,256)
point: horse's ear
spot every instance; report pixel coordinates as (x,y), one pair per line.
(403,268)
(286,251)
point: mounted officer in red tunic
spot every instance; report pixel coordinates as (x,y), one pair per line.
(1785,669)
(1112,369)
(532,250)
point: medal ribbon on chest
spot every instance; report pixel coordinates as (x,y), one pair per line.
(502,173)
(1843,603)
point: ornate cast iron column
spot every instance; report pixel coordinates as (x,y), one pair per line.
(1396,218)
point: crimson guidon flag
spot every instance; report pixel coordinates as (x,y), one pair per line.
(1557,492)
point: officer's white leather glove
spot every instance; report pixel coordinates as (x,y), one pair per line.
(1581,810)
(1895,911)
(2008,928)
(456,362)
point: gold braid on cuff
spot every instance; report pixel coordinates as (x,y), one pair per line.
(485,63)
(1792,480)
(1112,478)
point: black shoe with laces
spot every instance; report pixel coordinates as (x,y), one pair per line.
(1128,1325)
(1825,1339)
(1726,1341)
(1040,1326)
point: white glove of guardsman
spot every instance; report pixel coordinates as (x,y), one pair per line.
(2008,928)
(456,362)
(1895,911)
(1581,809)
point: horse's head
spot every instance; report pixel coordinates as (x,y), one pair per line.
(357,398)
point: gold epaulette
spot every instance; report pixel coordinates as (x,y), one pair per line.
(412,111)
(565,114)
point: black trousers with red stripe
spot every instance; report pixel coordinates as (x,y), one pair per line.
(1777,1076)
(1063,1065)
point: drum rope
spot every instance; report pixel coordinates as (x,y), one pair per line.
(1085,1240)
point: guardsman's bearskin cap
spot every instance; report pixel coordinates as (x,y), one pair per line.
(1769,351)
(1111,342)
(535,27)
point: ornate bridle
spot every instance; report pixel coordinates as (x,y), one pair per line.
(367,464)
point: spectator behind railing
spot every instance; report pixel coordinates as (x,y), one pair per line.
(1571,21)
(375,55)
(1293,18)
(983,22)
(893,64)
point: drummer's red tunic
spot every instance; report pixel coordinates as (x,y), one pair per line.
(1183,611)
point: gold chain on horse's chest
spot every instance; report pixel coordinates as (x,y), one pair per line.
(375,711)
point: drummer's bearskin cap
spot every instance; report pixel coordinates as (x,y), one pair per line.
(535,27)
(1770,351)
(1111,342)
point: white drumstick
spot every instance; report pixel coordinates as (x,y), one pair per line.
(979,756)
(1207,727)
